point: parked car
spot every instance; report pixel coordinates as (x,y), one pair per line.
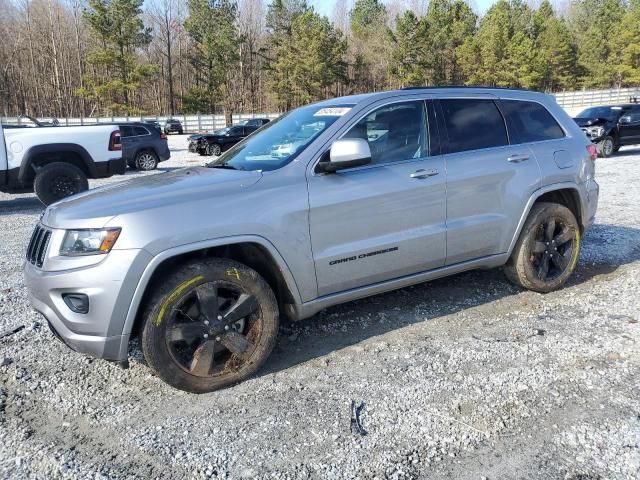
(193,142)
(254,122)
(222,140)
(56,162)
(386,190)
(173,126)
(611,127)
(143,145)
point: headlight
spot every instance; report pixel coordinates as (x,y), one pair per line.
(88,242)
(595,131)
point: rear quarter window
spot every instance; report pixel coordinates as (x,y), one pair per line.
(530,122)
(473,124)
(138,131)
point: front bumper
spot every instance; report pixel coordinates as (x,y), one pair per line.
(109,284)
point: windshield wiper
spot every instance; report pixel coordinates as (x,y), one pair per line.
(223,165)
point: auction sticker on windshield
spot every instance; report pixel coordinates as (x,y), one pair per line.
(332,112)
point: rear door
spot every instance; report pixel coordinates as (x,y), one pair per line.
(487,179)
(129,142)
(383,220)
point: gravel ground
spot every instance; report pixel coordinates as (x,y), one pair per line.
(465,377)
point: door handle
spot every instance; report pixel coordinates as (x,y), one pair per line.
(517,158)
(424,173)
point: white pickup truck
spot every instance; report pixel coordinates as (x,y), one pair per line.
(56,162)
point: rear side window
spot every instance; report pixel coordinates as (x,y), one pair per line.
(125,131)
(138,131)
(529,122)
(473,124)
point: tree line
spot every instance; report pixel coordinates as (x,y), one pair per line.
(68,58)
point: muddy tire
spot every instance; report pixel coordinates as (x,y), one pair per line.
(209,324)
(59,180)
(547,250)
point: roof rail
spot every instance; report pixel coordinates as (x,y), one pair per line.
(467,86)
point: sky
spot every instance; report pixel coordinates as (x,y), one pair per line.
(325,7)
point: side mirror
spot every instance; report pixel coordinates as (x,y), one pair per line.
(625,119)
(347,153)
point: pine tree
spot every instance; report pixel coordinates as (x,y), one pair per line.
(212,27)
(281,61)
(408,57)
(118,28)
(594,23)
(627,42)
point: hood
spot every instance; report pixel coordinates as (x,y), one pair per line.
(94,208)
(590,122)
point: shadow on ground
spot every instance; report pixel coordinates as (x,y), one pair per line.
(21,206)
(340,326)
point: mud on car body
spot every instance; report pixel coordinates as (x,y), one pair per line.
(381,191)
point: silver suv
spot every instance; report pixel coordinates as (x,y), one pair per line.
(366,194)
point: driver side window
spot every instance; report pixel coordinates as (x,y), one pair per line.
(394,132)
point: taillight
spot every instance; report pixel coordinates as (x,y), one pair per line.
(593,151)
(163,136)
(115,141)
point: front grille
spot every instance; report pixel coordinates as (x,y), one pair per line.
(38,244)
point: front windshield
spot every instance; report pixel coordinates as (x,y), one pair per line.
(221,131)
(610,113)
(280,141)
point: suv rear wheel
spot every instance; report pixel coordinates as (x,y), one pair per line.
(146,161)
(547,250)
(209,324)
(58,180)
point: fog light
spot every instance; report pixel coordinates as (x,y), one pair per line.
(77,302)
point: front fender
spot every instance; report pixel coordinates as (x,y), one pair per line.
(157,260)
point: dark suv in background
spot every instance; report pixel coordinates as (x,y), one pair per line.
(173,126)
(611,127)
(143,145)
(221,140)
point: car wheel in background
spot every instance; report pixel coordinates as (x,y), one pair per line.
(180,132)
(146,161)
(213,149)
(606,147)
(209,324)
(58,180)
(547,250)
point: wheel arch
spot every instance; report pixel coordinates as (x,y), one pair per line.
(40,155)
(253,251)
(567,194)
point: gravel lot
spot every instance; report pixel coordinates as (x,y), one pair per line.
(465,377)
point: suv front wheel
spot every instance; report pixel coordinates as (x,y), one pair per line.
(209,324)
(547,250)
(606,147)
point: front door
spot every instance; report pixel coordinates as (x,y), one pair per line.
(630,132)
(386,219)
